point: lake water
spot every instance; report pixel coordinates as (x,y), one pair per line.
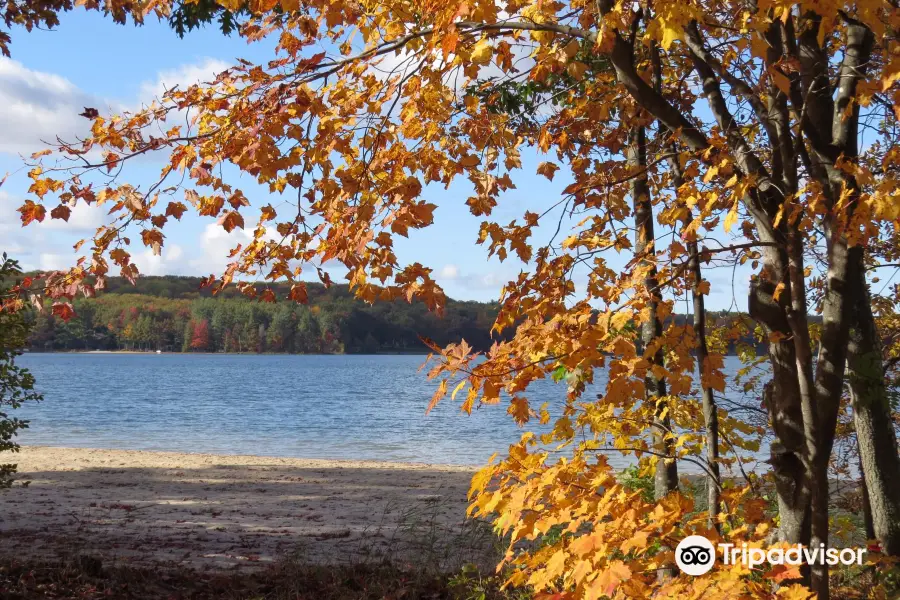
(341,407)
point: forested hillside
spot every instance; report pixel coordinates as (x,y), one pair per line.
(174,314)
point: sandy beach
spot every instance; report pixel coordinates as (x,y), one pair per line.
(225,512)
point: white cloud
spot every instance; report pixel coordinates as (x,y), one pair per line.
(84,219)
(449,272)
(39,106)
(183,76)
(166,263)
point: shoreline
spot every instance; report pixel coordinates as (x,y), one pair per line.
(322,463)
(215,511)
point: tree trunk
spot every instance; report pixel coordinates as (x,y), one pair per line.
(864,490)
(875,433)
(710,410)
(666,477)
(782,398)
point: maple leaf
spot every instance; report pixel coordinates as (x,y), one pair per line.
(231,220)
(63,310)
(610,578)
(61,212)
(175,209)
(32,212)
(438,395)
(482,52)
(298,293)
(267,213)
(547,169)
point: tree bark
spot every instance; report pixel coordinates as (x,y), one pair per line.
(666,476)
(864,490)
(878,453)
(710,410)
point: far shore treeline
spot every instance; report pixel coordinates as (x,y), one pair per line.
(174,314)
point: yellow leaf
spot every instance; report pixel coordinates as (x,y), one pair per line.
(232,5)
(576,69)
(780,80)
(636,542)
(731,218)
(620,320)
(703,287)
(671,31)
(556,565)
(458,387)
(482,52)
(778,291)
(710,173)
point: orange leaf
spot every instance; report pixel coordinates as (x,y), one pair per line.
(610,578)
(438,394)
(175,209)
(231,220)
(32,212)
(547,169)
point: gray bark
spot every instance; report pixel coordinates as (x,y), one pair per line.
(666,476)
(875,433)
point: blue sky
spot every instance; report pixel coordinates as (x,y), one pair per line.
(89,61)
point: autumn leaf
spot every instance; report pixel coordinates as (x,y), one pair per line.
(32,212)
(703,287)
(267,213)
(610,578)
(438,395)
(61,212)
(731,218)
(547,169)
(175,209)
(232,220)
(63,310)
(482,52)
(780,80)
(298,293)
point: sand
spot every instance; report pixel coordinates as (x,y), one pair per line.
(225,512)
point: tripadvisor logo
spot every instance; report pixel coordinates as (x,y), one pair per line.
(695,555)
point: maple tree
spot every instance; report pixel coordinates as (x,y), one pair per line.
(690,118)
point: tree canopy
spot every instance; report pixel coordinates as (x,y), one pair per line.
(772,124)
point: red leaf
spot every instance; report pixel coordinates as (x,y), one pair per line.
(63,310)
(298,293)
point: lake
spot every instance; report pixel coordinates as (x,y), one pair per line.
(306,406)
